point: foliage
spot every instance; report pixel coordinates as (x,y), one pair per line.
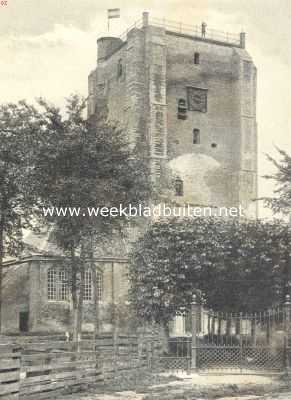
(83,164)
(281,202)
(19,127)
(86,164)
(237,266)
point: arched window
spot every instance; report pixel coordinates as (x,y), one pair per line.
(196,58)
(179,187)
(196,136)
(57,286)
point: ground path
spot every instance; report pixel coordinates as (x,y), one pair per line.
(200,387)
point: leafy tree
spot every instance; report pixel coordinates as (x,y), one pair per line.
(85,163)
(281,201)
(19,127)
(237,266)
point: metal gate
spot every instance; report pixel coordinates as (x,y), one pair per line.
(220,342)
(178,356)
(240,342)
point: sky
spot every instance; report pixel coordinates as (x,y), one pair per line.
(48,48)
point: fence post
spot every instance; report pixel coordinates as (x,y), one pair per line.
(286,313)
(195,321)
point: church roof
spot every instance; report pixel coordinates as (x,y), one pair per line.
(41,245)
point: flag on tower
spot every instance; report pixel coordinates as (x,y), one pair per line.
(113,13)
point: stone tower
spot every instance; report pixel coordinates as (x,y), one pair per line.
(190,97)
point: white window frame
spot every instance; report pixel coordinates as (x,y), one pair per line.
(88,286)
(57,285)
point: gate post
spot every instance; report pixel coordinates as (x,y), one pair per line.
(195,321)
(286,313)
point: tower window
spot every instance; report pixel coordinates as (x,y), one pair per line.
(196,136)
(179,189)
(213,145)
(196,58)
(182,109)
(119,69)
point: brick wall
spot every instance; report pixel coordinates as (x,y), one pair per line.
(26,289)
(15,296)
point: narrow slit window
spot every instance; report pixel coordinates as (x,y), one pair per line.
(196,136)
(119,69)
(196,58)
(179,187)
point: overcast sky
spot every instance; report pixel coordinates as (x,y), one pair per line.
(48,47)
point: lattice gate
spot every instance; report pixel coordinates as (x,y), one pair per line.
(178,357)
(240,359)
(241,342)
(219,342)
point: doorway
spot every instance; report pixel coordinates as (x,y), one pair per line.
(23,321)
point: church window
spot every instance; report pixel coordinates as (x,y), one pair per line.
(196,136)
(196,58)
(88,285)
(179,189)
(99,285)
(57,286)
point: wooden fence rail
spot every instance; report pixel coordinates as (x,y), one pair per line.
(44,374)
(9,371)
(36,369)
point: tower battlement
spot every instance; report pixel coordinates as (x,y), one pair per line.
(193,32)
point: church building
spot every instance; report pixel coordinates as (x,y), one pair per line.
(187,95)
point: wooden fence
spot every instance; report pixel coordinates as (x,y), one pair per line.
(9,371)
(42,367)
(43,375)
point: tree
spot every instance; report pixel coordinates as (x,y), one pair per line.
(281,201)
(237,266)
(85,163)
(19,127)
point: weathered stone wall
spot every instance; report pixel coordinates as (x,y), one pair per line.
(159,66)
(15,296)
(123,93)
(227,133)
(155,68)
